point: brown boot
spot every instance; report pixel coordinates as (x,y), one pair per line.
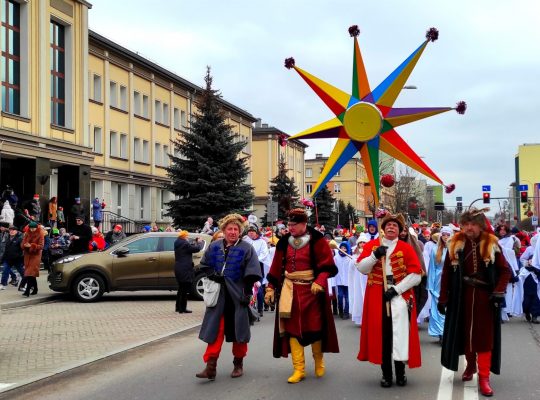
(210,371)
(238,370)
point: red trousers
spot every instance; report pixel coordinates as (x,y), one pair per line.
(239,350)
(484,362)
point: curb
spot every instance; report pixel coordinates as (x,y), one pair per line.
(91,360)
(30,301)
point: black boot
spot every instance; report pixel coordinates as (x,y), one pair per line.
(401,378)
(386,380)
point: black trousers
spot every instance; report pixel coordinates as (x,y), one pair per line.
(184,288)
(31,284)
(386,365)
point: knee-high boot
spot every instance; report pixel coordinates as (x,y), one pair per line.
(484,365)
(470,369)
(316,348)
(299,364)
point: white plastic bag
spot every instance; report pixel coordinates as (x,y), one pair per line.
(210,292)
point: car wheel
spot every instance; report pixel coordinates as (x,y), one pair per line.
(88,288)
(198,287)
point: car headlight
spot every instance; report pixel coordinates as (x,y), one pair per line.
(68,259)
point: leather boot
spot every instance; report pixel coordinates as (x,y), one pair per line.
(401,378)
(470,369)
(484,365)
(210,371)
(299,363)
(484,386)
(238,370)
(316,348)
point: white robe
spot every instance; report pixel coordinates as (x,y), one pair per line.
(514,292)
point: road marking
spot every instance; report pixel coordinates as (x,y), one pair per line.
(446,384)
(470,391)
(5,385)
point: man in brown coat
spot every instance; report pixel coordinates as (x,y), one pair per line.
(32,246)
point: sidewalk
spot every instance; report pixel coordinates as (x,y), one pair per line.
(41,340)
(11,297)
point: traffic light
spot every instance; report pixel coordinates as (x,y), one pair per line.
(524,197)
(459,206)
(487,197)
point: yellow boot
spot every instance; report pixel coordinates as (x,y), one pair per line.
(299,364)
(316,348)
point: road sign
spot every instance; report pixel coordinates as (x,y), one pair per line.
(523,188)
(459,198)
(486,188)
(272,211)
(252,219)
(534,220)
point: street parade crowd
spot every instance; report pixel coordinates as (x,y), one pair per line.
(462,280)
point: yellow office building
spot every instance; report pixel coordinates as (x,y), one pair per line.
(528,173)
(267,151)
(84,117)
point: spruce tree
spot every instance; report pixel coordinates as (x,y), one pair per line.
(324,201)
(283,190)
(347,214)
(207,171)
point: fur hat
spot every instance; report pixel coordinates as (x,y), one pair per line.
(397,218)
(234,219)
(476,216)
(298,215)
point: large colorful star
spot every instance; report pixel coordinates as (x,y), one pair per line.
(364,121)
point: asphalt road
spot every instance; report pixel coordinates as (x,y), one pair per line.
(166,370)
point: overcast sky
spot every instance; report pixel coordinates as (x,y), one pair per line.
(488,54)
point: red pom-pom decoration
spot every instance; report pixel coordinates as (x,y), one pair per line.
(423,214)
(282,140)
(461,107)
(432,34)
(354,31)
(387,180)
(380,213)
(530,214)
(413,205)
(308,203)
(289,63)
(450,188)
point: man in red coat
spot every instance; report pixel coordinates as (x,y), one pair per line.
(474,278)
(298,277)
(389,329)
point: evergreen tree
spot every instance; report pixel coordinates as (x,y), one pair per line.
(207,171)
(347,214)
(324,201)
(283,190)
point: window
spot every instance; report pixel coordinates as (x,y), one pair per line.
(123,145)
(137,149)
(142,202)
(176,118)
(337,188)
(114,149)
(58,74)
(165,156)
(157,154)
(97,140)
(183,121)
(117,194)
(145,151)
(113,95)
(97,88)
(161,202)
(309,173)
(11,60)
(123,98)
(136,103)
(145,245)
(157,111)
(309,188)
(165,119)
(145,106)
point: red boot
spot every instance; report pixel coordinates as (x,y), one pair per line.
(484,365)
(484,386)
(470,370)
